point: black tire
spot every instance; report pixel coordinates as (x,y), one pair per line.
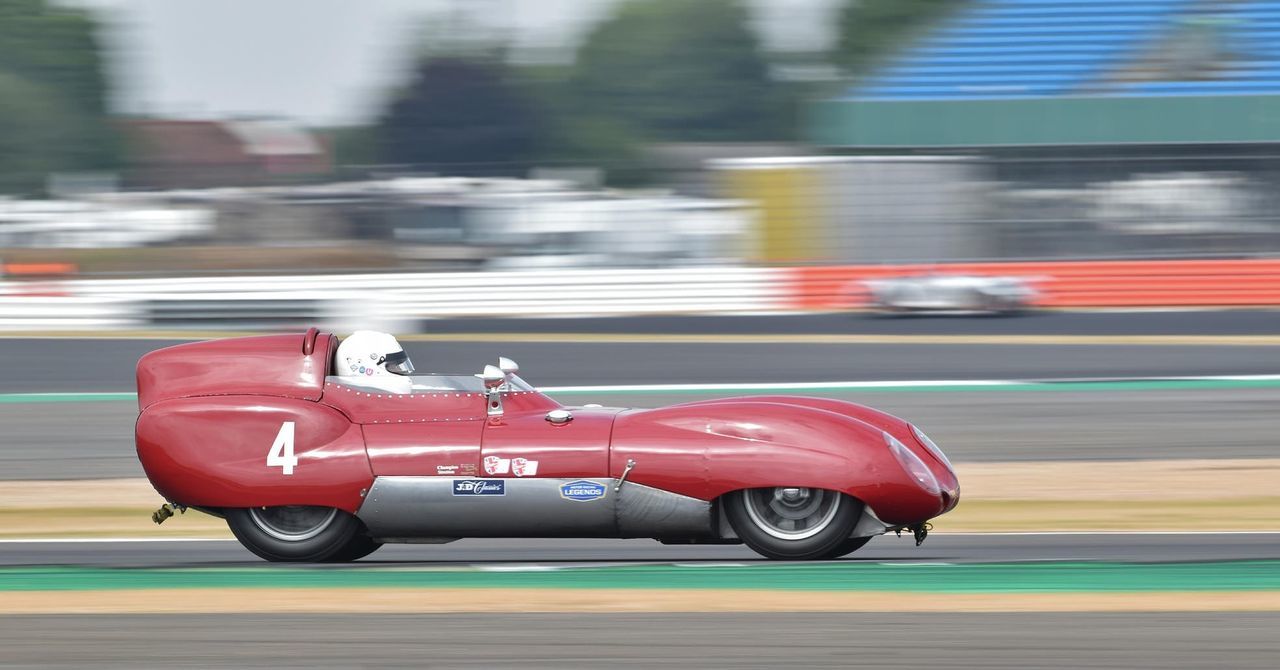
(294,533)
(828,527)
(358,547)
(849,546)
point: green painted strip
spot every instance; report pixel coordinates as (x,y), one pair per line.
(987,386)
(1047,577)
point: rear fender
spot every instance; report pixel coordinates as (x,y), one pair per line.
(213,452)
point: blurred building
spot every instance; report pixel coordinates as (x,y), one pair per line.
(864,209)
(171,154)
(98,223)
(1008,73)
(1106,127)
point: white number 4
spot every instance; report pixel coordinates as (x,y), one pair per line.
(281,453)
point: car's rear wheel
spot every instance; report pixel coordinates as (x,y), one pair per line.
(849,546)
(295,532)
(793,523)
(360,546)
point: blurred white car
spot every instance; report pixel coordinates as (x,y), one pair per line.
(935,292)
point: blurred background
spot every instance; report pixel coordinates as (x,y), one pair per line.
(679,199)
(507,139)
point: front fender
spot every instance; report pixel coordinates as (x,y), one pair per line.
(899,428)
(705,450)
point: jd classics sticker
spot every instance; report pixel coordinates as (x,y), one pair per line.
(479,487)
(582,490)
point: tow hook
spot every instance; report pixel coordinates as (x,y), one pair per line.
(921,532)
(166,510)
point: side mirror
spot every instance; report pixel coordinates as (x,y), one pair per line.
(508,366)
(493,377)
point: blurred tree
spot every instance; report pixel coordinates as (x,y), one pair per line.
(53,95)
(573,136)
(351,145)
(30,127)
(459,112)
(674,70)
(869,29)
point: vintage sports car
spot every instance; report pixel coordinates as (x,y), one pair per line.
(307,465)
(935,292)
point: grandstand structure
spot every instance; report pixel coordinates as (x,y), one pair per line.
(998,73)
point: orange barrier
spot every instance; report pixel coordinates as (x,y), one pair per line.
(1180,283)
(37,269)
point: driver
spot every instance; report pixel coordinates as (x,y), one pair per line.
(375,359)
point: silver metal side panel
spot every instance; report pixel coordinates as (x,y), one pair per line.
(644,511)
(409,507)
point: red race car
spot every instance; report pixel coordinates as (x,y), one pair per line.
(316,451)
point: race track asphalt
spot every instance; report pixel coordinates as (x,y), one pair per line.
(94,439)
(55,365)
(87,365)
(1163,641)
(939,547)
(88,440)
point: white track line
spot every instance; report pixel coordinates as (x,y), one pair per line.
(906,383)
(122,540)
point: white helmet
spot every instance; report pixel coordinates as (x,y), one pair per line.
(369,353)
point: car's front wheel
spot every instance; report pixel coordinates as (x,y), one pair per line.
(793,523)
(301,533)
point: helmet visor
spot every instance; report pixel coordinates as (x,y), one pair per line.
(398,363)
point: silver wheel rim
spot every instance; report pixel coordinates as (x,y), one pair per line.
(292,523)
(792,513)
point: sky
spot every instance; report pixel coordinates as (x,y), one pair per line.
(336,62)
